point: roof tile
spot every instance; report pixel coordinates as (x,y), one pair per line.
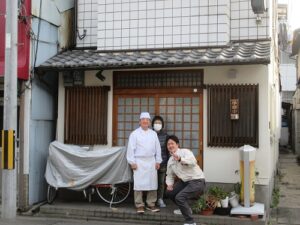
(235,53)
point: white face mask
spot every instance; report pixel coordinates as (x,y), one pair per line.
(157,126)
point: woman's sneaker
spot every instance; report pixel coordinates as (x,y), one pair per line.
(152,208)
(161,203)
(178,212)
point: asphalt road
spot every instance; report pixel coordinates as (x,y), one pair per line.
(21,220)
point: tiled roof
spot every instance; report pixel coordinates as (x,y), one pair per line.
(235,53)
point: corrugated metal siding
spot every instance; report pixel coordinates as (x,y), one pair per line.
(49,11)
(41,136)
(43,108)
(48,43)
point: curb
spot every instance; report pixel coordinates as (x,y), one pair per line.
(121,214)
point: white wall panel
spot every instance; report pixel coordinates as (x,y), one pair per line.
(243,22)
(137,24)
(134,24)
(87,23)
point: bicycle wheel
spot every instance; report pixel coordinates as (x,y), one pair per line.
(113,193)
(51,194)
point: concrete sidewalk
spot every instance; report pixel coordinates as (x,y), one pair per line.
(288,210)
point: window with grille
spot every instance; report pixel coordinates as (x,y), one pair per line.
(158,79)
(223,131)
(86,115)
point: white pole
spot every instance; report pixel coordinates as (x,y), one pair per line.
(9,178)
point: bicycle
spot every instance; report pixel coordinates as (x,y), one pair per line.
(109,193)
(111,189)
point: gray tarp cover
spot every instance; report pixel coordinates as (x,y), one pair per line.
(72,167)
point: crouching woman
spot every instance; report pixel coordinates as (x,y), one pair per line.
(191,184)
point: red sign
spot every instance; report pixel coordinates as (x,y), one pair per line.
(23,39)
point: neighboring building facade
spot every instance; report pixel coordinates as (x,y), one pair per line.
(287,69)
(209,68)
(296,97)
(45,27)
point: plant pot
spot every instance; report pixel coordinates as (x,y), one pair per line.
(234,201)
(222,211)
(224,202)
(207,212)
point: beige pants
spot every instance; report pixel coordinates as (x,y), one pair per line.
(151,198)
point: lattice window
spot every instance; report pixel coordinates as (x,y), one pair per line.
(223,131)
(158,79)
(129,109)
(86,115)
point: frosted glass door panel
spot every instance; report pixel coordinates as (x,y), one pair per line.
(129,109)
(181,115)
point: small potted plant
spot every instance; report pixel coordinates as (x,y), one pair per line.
(221,197)
(205,205)
(199,205)
(219,194)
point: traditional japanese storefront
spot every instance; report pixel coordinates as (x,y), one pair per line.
(101,95)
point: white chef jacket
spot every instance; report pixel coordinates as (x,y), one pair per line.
(144,150)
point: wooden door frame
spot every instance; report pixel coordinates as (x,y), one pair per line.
(156,93)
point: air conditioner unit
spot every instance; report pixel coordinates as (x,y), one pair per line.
(259,6)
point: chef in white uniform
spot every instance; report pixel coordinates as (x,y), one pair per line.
(144,157)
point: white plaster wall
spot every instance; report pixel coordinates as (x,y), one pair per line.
(274,88)
(226,160)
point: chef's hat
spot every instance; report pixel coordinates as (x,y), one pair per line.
(145,115)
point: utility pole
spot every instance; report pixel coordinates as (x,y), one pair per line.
(9,173)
